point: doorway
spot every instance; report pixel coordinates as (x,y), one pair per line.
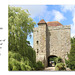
(51,60)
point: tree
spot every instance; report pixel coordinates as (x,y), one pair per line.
(20,25)
(71,61)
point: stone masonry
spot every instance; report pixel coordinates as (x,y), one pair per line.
(51,38)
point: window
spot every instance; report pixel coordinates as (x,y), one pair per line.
(37,42)
(37,51)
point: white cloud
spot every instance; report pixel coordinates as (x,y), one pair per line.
(67,7)
(58,16)
(41,12)
(35,10)
(70,8)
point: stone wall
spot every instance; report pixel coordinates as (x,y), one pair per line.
(58,41)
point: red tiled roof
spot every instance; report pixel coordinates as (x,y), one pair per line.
(54,23)
(41,22)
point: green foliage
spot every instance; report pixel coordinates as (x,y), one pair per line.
(25,67)
(20,25)
(58,60)
(22,57)
(24,64)
(60,67)
(53,58)
(16,56)
(71,57)
(31,55)
(67,62)
(39,65)
(15,65)
(72,40)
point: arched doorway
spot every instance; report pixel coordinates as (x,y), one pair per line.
(51,60)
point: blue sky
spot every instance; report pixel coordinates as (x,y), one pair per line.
(65,14)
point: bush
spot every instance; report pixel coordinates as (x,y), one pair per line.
(71,57)
(25,67)
(16,56)
(67,62)
(58,60)
(39,66)
(60,67)
(70,64)
(16,63)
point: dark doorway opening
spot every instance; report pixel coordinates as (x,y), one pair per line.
(51,60)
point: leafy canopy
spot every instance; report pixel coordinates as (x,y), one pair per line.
(20,25)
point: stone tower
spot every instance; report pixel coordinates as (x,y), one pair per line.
(51,39)
(39,46)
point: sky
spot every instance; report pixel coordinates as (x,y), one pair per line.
(65,14)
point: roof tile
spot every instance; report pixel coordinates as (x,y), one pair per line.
(42,21)
(54,23)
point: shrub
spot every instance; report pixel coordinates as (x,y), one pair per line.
(67,63)
(71,57)
(28,68)
(58,60)
(16,56)
(39,65)
(25,67)
(70,64)
(14,68)
(16,64)
(60,67)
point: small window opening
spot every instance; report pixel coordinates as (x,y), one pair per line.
(37,51)
(37,42)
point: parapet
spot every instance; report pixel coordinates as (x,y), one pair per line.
(59,27)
